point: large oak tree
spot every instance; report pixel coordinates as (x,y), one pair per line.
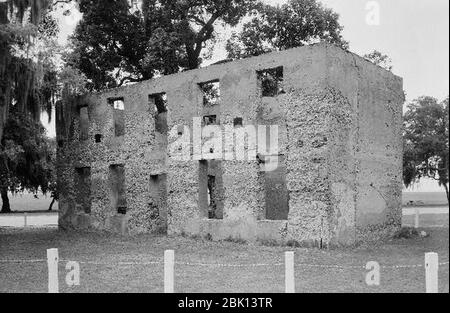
(426,142)
(113,45)
(294,24)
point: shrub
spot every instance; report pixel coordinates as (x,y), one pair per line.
(236,240)
(293,244)
(269,242)
(407,233)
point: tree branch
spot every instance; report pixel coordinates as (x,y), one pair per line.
(128,79)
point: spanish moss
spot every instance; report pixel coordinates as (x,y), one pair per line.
(21,79)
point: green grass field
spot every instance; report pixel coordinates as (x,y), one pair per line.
(109,276)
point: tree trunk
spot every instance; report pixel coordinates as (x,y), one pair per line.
(3,13)
(51,204)
(6,208)
(193,61)
(446,191)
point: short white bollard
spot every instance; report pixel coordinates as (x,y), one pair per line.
(25,223)
(289,272)
(52,262)
(431,272)
(169,262)
(416,219)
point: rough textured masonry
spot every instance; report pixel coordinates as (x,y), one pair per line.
(339,174)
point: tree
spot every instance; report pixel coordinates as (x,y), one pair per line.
(297,23)
(27,75)
(108,44)
(379,59)
(113,45)
(192,22)
(27,156)
(52,186)
(21,71)
(426,142)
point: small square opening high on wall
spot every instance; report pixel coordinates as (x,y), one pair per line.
(117,188)
(211,92)
(118,106)
(98,138)
(210,120)
(158,105)
(270,81)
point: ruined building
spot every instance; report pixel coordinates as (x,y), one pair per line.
(338,178)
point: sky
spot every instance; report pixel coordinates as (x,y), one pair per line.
(413,33)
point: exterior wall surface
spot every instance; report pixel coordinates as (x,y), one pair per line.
(339,137)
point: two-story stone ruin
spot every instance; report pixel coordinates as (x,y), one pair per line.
(338,174)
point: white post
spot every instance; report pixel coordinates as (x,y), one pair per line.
(416,218)
(52,262)
(289,272)
(169,262)
(431,272)
(24,219)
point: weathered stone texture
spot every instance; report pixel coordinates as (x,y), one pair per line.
(339,126)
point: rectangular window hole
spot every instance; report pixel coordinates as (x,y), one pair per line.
(275,191)
(117,188)
(210,120)
(122,210)
(158,103)
(211,92)
(238,122)
(117,103)
(211,189)
(270,81)
(118,115)
(84,124)
(83,189)
(158,196)
(98,138)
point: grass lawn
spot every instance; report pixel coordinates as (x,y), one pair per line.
(109,276)
(427,220)
(425,198)
(26,202)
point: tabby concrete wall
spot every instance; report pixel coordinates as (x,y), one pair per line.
(339,122)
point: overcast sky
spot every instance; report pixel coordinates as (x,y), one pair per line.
(414,33)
